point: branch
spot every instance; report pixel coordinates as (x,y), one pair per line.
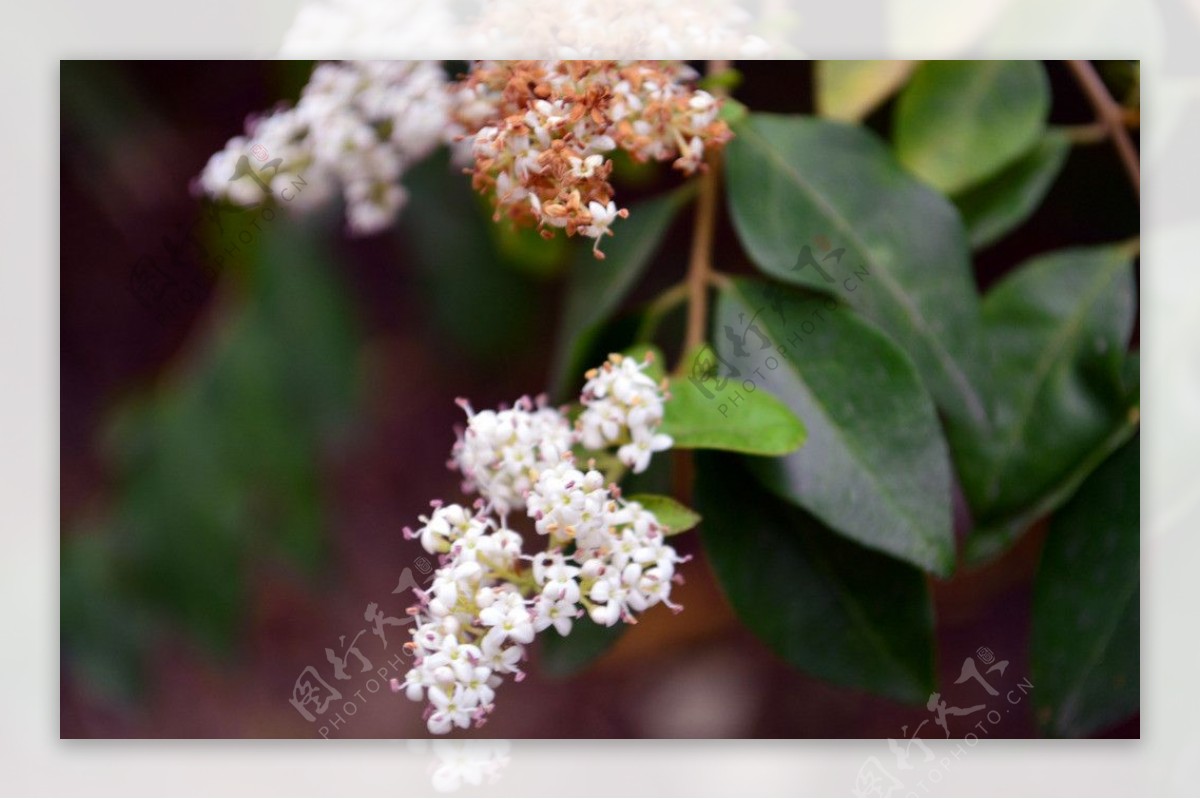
(1112,116)
(700,261)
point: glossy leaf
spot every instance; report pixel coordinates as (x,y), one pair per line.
(671,513)
(1057,328)
(706,411)
(1085,644)
(595,288)
(896,249)
(875,467)
(992,209)
(850,90)
(838,611)
(959,122)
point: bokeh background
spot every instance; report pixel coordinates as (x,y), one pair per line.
(251,411)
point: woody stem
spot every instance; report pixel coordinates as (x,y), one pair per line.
(700,261)
(1111,116)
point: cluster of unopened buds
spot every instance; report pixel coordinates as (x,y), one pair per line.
(540,135)
(597,553)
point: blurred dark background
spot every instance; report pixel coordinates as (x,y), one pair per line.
(251,410)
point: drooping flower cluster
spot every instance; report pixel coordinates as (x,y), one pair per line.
(623,406)
(544,131)
(540,135)
(359,125)
(598,554)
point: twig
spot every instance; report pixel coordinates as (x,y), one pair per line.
(1111,115)
(700,261)
(661,305)
(1091,133)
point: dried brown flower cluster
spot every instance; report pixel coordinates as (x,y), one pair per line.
(541,132)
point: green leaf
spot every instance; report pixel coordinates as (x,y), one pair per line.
(732,111)
(850,90)
(959,122)
(826,605)
(1057,329)
(672,514)
(565,656)
(595,288)
(993,538)
(1085,641)
(726,81)
(699,415)
(875,467)
(1007,199)
(901,251)
(524,249)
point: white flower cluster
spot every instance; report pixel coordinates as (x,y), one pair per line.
(498,450)
(601,555)
(623,406)
(359,125)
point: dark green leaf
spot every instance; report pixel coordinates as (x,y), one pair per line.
(1057,328)
(479,302)
(1085,646)
(672,514)
(901,253)
(1007,199)
(595,288)
(875,466)
(850,90)
(564,656)
(826,605)
(959,122)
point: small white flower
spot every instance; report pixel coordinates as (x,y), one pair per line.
(557,613)
(623,407)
